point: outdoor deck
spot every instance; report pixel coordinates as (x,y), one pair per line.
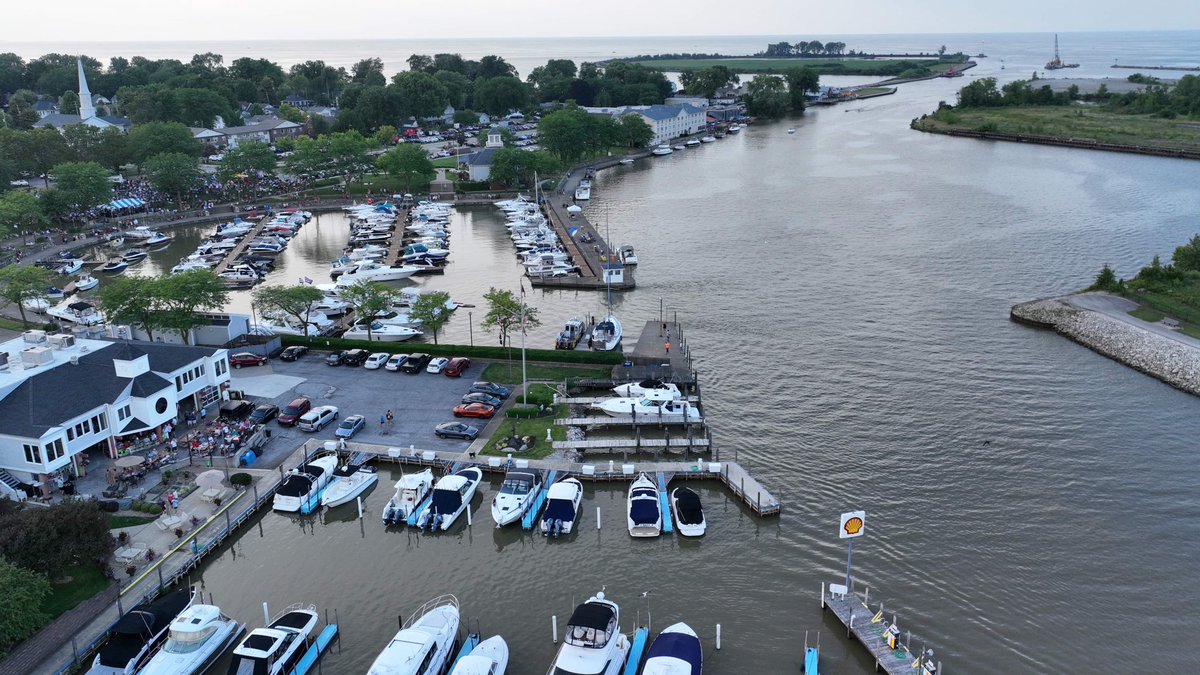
(870,627)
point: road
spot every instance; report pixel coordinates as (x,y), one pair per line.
(1119,308)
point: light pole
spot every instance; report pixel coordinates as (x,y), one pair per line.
(471,327)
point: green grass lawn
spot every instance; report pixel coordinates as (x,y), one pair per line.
(86,581)
(1157,307)
(115,522)
(445,163)
(536,428)
(10,324)
(1070,122)
(510,372)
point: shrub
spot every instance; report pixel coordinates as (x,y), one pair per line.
(241,479)
(537,396)
(523,411)
(22,593)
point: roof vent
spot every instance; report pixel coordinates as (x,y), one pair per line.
(62,341)
(74,360)
(35,337)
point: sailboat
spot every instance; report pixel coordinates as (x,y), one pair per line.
(1057,63)
(606,336)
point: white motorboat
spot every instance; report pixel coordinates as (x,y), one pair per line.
(689,514)
(691,143)
(708,139)
(236,228)
(606,336)
(680,146)
(140,232)
(517,492)
(305,483)
(189,266)
(86,282)
(451,496)
(676,651)
(659,404)
(114,267)
(79,312)
(489,657)
(410,490)
(662,150)
(791,130)
(38,305)
(639,389)
(628,256)
(562,507)
(643,513)
(156,239)
(348,482)
(373,271)
(69,266)
(239,276)
(138,633)
(593,643)
(734,128)
(381,332)
(583,193)
(424,644)
(273,650)
(196,638)
(627,161)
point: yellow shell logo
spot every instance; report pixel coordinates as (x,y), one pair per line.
(853,525)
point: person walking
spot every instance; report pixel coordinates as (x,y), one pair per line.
(667,346)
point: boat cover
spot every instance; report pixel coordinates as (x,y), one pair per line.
(142,623)
(644,511)
(677,645)
(687,503)
(296,485)
(592,615)
(314,470)
(446,501)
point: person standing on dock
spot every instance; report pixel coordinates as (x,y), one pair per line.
(667,346)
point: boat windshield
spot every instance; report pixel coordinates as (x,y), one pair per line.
(647,403)
(516,486)
(564,671)
(186,642)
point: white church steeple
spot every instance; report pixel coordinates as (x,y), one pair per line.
(86,109)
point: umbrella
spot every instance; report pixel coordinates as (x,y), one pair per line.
(130,461)
(574,209)
(209,479)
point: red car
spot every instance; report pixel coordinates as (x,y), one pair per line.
(482,410)
(246,359)
(293,412)
(457,366)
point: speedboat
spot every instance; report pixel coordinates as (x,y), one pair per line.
(197,638)
(451,496)
(708,139)
(69,266)
(305,483)
(275,649)
(662,150)
(86,282)
(628,257)
(134,257)
(424,643)
(607,334)
(639,389)
(489,657)
(593,643)
(680,146)
(156,239)
(348,482)
(691,143)
(627,161)
(645,518)
(689,515)
(114,267)
(583,193)
(381,332)
(660,404)
(517,492)
(140,232)
(138,633)
(792,130)
(676,651)
(734,128)
(562,507)
(38,305)
(373,271)
(410,490)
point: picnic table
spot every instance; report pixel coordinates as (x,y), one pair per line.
(128,554)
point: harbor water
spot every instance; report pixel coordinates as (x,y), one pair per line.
(1030,504)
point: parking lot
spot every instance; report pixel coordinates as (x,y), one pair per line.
(418,402)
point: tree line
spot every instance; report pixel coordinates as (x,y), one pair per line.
(1156,98)
(804,48)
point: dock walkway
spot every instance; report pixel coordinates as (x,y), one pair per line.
(238,250)
(871,628)
(653,444)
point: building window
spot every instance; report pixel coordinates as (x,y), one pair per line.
(54,450)
(33,454)
(123,414)
(221,367)
(160,406)
(178,383)
(101,422)
(70,434)
(87,427)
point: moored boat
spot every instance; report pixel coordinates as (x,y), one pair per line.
(348,482)
(593,643)
(451,496)
(423,645)
(643,513)
(662,150)
(304,483)
(689,514)
(86,282)
(273,650)
(196,639)
(606,336)
(138,632)
(562,507)
(411,489)
(114,267)
(639,389)
(659,404)
(676,651)
(489,657)
(517,492)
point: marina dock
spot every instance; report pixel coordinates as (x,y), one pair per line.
(529,520)
(237,251)
(873,630)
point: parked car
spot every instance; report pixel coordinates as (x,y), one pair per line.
(20,182)
(317,418)
(236,409)
(457,366)
(437,365)
(293,353)
(376,360)
(477,397)
(481,410)
(291,412)
(415,363)
(246,359)
(355,357)
(335,358)
(456,430)
(264,413)
(350,426)
(491,389)
(396,361)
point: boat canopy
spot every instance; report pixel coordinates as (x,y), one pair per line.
(446,501)
(687,503)
(560,509)
(314,470)
(296,485)
(591,625)
(643,507)
(143,622)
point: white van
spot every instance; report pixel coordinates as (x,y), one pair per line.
(317,418)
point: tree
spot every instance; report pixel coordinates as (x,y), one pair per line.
(571,133)
(421,94)
(420,62)
(68,103)
(505,311)
(467,117)
(49,540)
(430,310)
(41,149)
(296,301)
(368,72)
(368,298)
(634,131)
(347,152)
(800,81)
(494,66)
(515,167)
(136,301)
(767,96)
(111,150)
(502,94)
(22,593)
(20,284)
(407,162)
(252,158)
(148,140)
(83,184)
(1106,280)
(707,81)
(185,294)
(20,210)
(173,173)
(1187,257)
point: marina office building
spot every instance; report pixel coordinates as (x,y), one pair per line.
(62,397)
(665,121)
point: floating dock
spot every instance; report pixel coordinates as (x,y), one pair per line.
(872,630)
(701,444)
(468,645)
(664,503)
(318,647)
(529,520)
(637,646)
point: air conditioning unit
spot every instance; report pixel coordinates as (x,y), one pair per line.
(3,362)
(36,356)
(35,337)
(62,341)
(74,360)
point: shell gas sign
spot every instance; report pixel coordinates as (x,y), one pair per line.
(853,524)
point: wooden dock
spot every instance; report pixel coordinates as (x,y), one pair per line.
(871,627)
(653,444)
(397,242)
(590,258)
(237,251)
(640,420)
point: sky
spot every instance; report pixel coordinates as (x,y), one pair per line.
(138,20)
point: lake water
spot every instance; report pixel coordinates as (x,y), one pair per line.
(1031,505)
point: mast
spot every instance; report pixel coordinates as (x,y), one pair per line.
(1056,47)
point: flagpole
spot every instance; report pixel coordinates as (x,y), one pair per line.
(524,378)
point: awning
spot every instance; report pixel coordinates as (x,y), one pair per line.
(126,203)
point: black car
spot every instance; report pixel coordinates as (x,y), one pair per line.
(491,389)
(335,358)
(477,397)
(415,363)
(355,357)
(293,353)
(264,413)
(456,430)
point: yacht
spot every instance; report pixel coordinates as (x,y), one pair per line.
(659,403)
(305,483)
(236,228)
(639,389)
(689,515)
(373,271)
(138,633)
(593,643)
(157,239)
(583,193)
(517,492)
(140,232)
(562,507)
(263,247)
(381,332)
(69,266)
(239,276)
(424,250)
(410,490)
(708,139)
(348,482)
(663,149)
(489,657)
(606,336)
(451,496)
(189,266)
(86,282)
(275,649)
(424,644)
(196,638)
(628,256)
(644,516)
(676,651)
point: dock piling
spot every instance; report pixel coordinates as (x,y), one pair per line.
(597,517)
(266,615)
(554,627)
(718,637)
(359,498)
